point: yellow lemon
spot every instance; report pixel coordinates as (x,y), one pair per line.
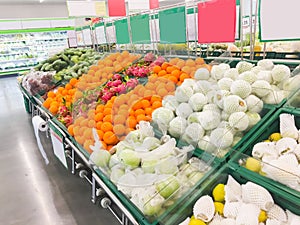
(253,164)
(219,193)
(262,216)
(219,208)
(275,137)
(267,140)
(194,221)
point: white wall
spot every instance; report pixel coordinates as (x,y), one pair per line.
(18,11)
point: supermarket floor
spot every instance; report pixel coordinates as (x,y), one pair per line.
(31,192)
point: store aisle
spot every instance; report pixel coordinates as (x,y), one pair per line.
(32,193)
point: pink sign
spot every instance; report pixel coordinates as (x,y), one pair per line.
(153,4)
(116,8)
(216,21)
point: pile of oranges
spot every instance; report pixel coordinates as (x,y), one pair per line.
(99,74)
(177,70)
(63,96)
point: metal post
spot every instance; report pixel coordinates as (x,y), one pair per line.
(251,26)
(196,28)
(265,47)
(255,25)
(73,161)
(241,28)
(129,33)
(187,30)
(93,190)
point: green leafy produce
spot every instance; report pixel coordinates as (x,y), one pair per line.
(71,63)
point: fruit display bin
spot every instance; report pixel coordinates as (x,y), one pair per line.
(271,126)
(167,212)
(266,113)
(284,200)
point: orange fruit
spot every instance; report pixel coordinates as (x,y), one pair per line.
(131,122)
(162,92)
(155,98)
(71,129)
(156,104)
(119,119)
(99,116)
(60,89)
(138,112)
(190,63)
(156,69)
(110,138)
(148,111)
(137,105)
(84,123)
(73,81)
(170,69)
(141,117)
(92,123)
(80,139)
(145,103)
(68,86)
(51,94)
(119,129)
(87,144)
(165,65)
(162,73)
(173,79)
(170,86)
(186,69)
(99,108)
(184,76)
(46,104)
(78,120)
(107,111)
(176,73)
(106,126)
(98,125)
(53,109)
(100,134)
(180,63)
(107,118)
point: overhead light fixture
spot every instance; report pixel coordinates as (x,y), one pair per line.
(41,1)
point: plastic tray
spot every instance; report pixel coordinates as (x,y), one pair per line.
(140,217)
(269,127)
(281,198)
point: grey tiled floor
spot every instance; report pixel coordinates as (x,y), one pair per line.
(32,193)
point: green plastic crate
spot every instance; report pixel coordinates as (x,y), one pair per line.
(269,127)
(280,197)
(171,211)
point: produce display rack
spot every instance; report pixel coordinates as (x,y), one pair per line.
(100,192)
(106,194)
(266,129)
(280,197)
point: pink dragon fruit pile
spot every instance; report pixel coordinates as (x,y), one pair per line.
(64,116)
(143,69)
(117,86)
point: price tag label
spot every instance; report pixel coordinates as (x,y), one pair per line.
(58,147)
